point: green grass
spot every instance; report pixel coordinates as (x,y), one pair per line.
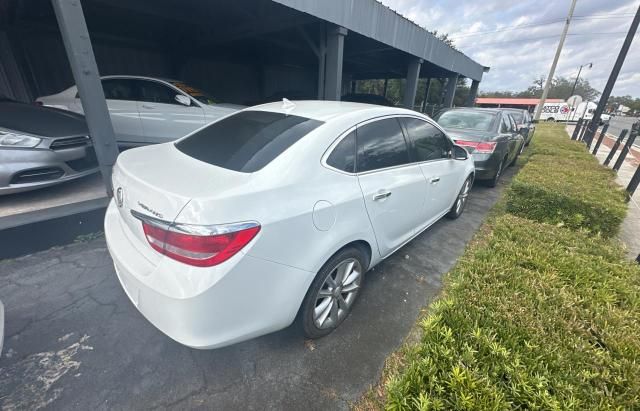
(534,315)
(565,185)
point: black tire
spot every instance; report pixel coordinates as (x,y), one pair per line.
(512,163)
(494,181)
(310,302)
(551,120)
(461,201)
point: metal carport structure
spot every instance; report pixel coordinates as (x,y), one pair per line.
(244,50)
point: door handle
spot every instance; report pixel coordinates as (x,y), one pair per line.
(148,106)
(381,195)
(435,180)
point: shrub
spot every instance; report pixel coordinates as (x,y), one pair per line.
(563,184)
(534,317)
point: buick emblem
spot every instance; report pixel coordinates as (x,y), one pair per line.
(119,197)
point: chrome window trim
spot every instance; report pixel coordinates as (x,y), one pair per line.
(193,229)
(344,134)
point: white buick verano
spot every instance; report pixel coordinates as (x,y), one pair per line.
(274,211)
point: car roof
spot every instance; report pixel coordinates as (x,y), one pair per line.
(167,80)
(480,109)
(329,110)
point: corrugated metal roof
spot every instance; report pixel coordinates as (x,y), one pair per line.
(515,101)
(377,21)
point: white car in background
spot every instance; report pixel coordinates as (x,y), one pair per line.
(147,110)
(276,210)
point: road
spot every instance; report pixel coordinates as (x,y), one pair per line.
(74,341)
(618,123)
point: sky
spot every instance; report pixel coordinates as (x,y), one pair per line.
(484,30)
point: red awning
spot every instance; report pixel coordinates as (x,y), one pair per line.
(515,101)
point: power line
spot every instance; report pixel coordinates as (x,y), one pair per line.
(550,37)
(543,23)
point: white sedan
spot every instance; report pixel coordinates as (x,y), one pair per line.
(147,110)
(276,210)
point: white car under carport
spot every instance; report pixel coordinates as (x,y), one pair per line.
(146,110)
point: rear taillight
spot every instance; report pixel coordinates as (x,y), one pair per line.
(206,246)
(479,147)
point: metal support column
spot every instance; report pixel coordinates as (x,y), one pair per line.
(425,101)
(333,64)
(411,86)
(85,73)
(576,130)
(473,92)
(450,91)
(625,150)
(603,133)
(615,147)
(633,184)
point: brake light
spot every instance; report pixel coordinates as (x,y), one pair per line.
(480,147)
(200,250)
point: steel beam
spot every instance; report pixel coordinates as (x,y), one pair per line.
(411,85)
(473,92)
(333,63)
(450,91)
(85,72)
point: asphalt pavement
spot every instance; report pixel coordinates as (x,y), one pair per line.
(618,123)
(74,341)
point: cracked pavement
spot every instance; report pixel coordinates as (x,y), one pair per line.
(74,340)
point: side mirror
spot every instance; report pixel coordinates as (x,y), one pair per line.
(184,100)
(459,153)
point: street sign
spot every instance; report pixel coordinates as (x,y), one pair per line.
(574,101)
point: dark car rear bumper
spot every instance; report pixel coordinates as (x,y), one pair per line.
(486,165)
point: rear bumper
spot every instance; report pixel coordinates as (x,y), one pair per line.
(486,165)
(54,167)
(249,297)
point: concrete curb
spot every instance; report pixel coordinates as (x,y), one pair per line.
(39,230)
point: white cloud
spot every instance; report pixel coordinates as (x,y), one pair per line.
(518,56)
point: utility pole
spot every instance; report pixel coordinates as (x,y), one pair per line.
(613,76)
(555,62)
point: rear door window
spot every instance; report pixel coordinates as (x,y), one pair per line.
(343,156)
(381,144)
(427,141)
(246,141)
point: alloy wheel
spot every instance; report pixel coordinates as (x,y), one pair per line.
(462,197)
(338,292)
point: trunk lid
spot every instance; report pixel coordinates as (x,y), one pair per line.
(159,181)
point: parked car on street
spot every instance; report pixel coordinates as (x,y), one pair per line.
(490,135)
(147,110)
(276,210)
(42,146)
(524,123)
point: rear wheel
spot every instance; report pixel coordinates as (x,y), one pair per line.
(494,182)
(333,292)
(461,201)
(550,120)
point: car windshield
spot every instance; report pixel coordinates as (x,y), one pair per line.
(517,116)
(199,95)
(466,119)
(246,141)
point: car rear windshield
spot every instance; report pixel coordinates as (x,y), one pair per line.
(517,116)
(467,119)
(246,141)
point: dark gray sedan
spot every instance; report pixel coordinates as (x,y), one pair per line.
(525,123)
(42,146)
(489,135)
